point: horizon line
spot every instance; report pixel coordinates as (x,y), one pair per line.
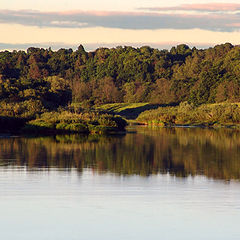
(94,46)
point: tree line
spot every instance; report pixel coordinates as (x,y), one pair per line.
(42,79)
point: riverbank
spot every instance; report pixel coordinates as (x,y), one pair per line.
(91,122)
(182,115)
(185,115)
(113,118)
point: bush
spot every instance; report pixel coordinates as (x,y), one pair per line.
(79,123)
(76,127)
(61,126)
(42,124)
(186,114)
(100,129)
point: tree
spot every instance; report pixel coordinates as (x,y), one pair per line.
(107,92)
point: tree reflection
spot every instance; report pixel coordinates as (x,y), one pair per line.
(178,151)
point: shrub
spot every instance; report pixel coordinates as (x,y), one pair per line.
(76,127)
(209,114)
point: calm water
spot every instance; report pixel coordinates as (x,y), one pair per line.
(154,184)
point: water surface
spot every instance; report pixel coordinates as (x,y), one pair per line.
(153,184)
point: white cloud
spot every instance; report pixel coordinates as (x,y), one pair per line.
(68,24)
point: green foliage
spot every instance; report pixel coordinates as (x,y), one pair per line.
(127,110)
(68,122)
(76,127)
(227,114)
(99,129)
(62,126)
(42,80)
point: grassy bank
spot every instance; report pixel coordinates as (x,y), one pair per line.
(67,122)
(109,118)
(91,122)
(211,115)
(129,111)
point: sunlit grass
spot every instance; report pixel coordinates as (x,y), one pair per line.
(118,107)
(185,114)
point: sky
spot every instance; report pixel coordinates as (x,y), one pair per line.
(109,23)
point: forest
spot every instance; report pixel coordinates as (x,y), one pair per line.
(42,80)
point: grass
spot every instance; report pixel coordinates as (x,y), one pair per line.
(108,118)
(214,115)
(119,107)
(129,111)
(68,122)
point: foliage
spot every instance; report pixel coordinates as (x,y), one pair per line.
(68,122)
(187,114)
(127,110)
(122,74)
(41,80)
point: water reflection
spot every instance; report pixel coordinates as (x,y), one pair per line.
(179,151)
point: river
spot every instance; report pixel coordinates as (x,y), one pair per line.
(166,183)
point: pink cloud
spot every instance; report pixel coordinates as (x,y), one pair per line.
(102,13)
(209,7)
(213,7)
(77,12)
(233,25)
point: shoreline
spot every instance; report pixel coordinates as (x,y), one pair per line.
(200,125)
(112,133)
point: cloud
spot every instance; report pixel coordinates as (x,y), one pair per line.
(125,20)
(234,25)
(68,24)
(205,7)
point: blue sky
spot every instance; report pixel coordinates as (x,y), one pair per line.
(62,23)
